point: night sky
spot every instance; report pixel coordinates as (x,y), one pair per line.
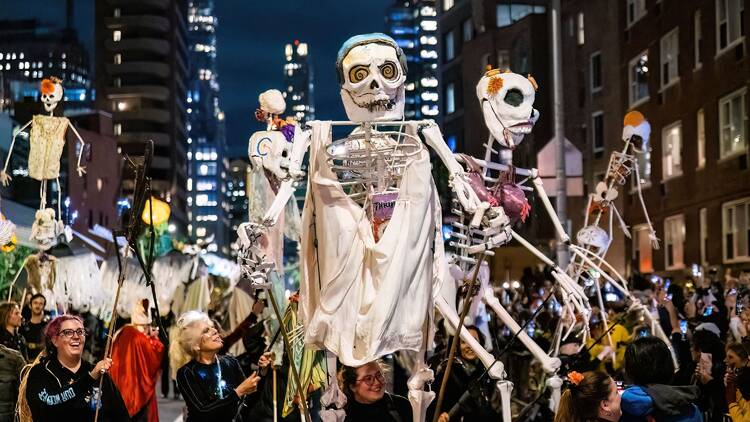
(250,51)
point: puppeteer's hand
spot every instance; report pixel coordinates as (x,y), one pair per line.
(465,194)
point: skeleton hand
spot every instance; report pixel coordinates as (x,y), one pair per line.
(465,194)
(81,171)
(253,263)
(5,178)
(496,229)
(654,240)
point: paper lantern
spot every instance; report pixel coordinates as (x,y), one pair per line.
(160,209)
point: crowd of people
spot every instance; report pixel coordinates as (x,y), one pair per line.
(622,371)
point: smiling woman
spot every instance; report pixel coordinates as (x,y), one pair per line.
(213,385)
(61,386)
(367,399)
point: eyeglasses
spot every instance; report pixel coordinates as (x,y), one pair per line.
(69,333)
(369,380)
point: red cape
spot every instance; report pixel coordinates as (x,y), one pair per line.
(136,361)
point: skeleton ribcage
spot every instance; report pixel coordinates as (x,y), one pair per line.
(620,166)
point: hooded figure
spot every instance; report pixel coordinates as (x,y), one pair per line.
(136,361)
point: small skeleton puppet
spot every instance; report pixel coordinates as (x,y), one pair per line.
(7,233)
(46,142)
(588,265)
(372,255)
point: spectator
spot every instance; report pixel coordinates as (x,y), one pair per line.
(32,328)
(367,400)
(213,385)
(591,396)
(62,387)
(737,381)
(11,363)
(10,318)
(649,366)
(708,357)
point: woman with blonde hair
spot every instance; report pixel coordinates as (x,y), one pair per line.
(591,396)
(213,386)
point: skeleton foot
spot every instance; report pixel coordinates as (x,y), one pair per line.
(419,398)
(5,178)
(555,383)
(81,171)
(505,388)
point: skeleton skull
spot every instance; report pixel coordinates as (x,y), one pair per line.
(372,72)
(637,130)
(266,150)
(593,237)
(271,101)
(507,101)
(52,93)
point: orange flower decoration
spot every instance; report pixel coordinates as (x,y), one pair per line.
(494,85)
(533,82)
(575,377)
(48,87)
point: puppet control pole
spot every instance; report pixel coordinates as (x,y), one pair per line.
(454,341)
(288,348)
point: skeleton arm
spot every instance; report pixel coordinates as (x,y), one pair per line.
(286,190)
(458,182)
(4,178)
(79,169)
(539,187)
(652,232)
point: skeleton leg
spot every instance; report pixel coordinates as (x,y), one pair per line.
(550,365)
(419,398)
(555,383)
(506,388)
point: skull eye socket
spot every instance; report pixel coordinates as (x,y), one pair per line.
(514,97)
(358,73)
(389,71)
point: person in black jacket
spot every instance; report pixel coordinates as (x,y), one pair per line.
(366,398)
(61,386)
(212,385)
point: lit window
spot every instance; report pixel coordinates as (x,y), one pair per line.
(732,121)
(644,170)
(701,135)
(703,223)
(117,129)
(118,58)
(736,230)
(671,147)
(638,79)
(642,252)
(674,242)
(468,30)
(450,98)
(447,4)
(428,25)
(669,52)
(116,36)
(449,43)
(581,32)
(200,231)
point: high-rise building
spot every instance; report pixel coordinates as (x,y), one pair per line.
(30,51)
(141,69)
(237,195)
(206,161)
(299,82)
(413,25)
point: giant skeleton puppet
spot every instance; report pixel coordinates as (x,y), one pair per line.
(507,101)
(372,252)
(46,142)
(588,265)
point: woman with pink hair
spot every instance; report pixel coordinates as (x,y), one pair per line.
(60,385)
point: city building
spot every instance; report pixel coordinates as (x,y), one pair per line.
(413,25)
(31,51)
(141,70)
(299,82)
(206,160)
(237,185)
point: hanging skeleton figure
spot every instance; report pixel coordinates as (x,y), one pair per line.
(46,142)
(372,252)
(507,107)
(588,265)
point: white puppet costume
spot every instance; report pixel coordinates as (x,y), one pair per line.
(46,143)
